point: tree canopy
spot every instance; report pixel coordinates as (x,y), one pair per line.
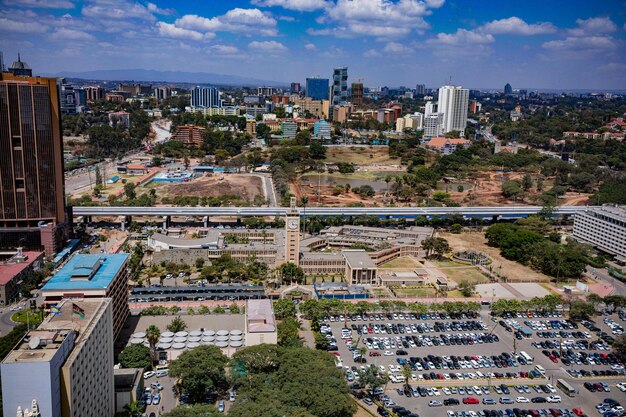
(135,356)
(201,371)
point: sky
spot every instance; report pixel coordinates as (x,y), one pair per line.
(573,44)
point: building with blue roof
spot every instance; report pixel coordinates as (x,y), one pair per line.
(92,276)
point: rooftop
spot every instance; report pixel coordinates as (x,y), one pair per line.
(260,316)
(87,272)
(10,268)
(358,259)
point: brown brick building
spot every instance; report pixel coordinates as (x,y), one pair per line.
(189,135)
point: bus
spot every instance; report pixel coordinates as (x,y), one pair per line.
(529,359)
(565,387)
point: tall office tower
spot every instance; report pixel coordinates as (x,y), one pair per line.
(1,62)
(66,364)
(67,97)
(205,97)
(453,103)
(295,88)
(162,93)
(430,108)
(508,90)
(265,91)
(20,68)
(357,93)
(420,89)
(32,205)
(339,91)
(317,88)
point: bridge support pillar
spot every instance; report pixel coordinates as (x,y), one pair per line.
(166,222)
(495,218)
(205,221)
(126,222)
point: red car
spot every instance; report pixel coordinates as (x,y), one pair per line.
(471,400)
(374,353)
(578,411)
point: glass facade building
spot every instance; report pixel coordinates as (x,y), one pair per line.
(317,88)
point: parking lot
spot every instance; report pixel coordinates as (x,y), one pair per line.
(451,356)
(165,391)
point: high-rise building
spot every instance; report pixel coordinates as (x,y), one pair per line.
(161,93)
(94,93)
(295,88)
(205,97)
(32,203)
(1,62)
(453,103)
(430,108)
(420,89)
(339,90)
(357,93)
(66,364)
(604,228)
(265,91)
(317,88)
(67,97)
(292,234)
(433,125)
(508,90)
(20,68)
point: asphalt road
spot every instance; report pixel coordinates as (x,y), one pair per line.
(602,274)
(168,399)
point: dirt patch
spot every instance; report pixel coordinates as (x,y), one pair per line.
(514,271)
(360,155)
(241,185)
(486,190)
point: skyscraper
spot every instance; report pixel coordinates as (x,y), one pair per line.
(508,90)
(20,68)
(295,88)
(339,91)
(420,89)
(453,103)
(357,93)
(317,88)
(32,206)
(205,97)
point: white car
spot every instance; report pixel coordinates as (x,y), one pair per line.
(148,374)
(436,392)
(622,386)
(551,388)
(554,399)
(522,400)
(435,403)
(387,353)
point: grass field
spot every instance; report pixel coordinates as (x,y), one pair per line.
(360,155)
(447,263)
(24,316)
(426,292)
(470,274)
(402,262)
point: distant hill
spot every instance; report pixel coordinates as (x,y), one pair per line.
(144,75)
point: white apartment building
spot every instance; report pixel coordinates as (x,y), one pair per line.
(410,121)
(453,104)
(66,364)
(603,227)
(433,125)
(430,108)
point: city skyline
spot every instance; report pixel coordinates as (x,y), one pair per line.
(545,45)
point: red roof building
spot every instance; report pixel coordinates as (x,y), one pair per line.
(14,272)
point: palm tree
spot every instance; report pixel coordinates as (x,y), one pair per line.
(304,200)
(134,409)
(406,373)
(153,334)
(387,180)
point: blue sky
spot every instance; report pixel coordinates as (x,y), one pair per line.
(478,43)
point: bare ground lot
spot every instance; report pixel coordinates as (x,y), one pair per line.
(360,155)
(241,185)
(515,272)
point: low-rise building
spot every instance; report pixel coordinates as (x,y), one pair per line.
(15,270)
(128,387)
(447,145)
(189,135)
(92,276)
(260,323)
(119,118)
(322,130)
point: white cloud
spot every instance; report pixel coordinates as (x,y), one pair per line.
(396,48)
(105,45)
(267,46)
(462,37)
(40,4)
(372,53)
(225,49)
(614,66)
(516,26)
(117,9)
(593,26)
(21,27)
(381,18)
(71,34)
(235,20)
(581,44)
(310,46)
(153,8)
(299,5)
(171,31)
(286,18)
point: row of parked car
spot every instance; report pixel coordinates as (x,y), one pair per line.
(531,314)
(610,408)
(570,357)
(410,328)
(517,412)
(583,373)
(464,339)
(401,316)
(503,360)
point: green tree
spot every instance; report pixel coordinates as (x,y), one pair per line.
(135,356)
(290,272)
(518,245)
(129,191)
(317,150)
(435,246)
(152,335)
(467,288)
(288,332)
(195,410)
(284,308)
(581,310)
(134,409)
(527,182)
(619,345)
(511,189)
(199,263)
(200,371)
(177,325)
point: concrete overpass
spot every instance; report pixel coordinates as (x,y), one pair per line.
(392,212)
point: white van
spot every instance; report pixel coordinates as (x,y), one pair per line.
(540,369)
